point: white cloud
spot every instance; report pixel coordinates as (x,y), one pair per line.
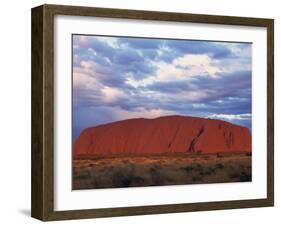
(181,69)
(84,76)
(82,80)
(231,117)
(139,83)
(198,105)
(197,64)
(111,94)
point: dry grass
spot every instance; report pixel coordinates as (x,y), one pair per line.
(122,171)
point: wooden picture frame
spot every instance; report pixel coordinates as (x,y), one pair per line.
(42,204)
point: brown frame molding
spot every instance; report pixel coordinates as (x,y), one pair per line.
(42,202)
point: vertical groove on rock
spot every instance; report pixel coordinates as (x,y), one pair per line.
(194,140)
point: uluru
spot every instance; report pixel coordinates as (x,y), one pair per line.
(167,134)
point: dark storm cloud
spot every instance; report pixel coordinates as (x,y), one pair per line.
(177,47)
(171,49)
(233,98)
(143,44)
(198,47)
(238,84)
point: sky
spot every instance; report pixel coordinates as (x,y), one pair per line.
(116,78)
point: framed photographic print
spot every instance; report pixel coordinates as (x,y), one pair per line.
(141,112)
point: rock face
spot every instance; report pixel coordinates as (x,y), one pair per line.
(167,134)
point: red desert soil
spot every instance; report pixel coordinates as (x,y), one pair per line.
(168,134)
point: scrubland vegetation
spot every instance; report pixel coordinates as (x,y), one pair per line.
(128,171)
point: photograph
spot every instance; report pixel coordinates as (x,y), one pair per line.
(138,112)
(158,111)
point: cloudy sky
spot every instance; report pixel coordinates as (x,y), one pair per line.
(117,78)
